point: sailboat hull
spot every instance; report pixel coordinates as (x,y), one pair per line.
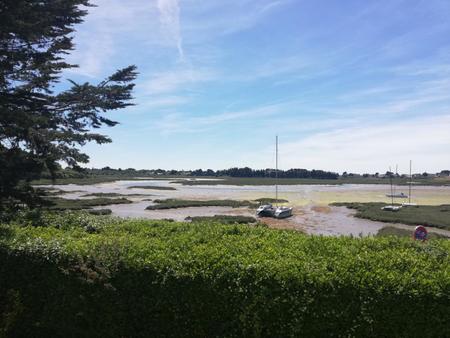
(283,212)
(265,211)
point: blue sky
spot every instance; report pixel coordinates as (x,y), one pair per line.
(347,85)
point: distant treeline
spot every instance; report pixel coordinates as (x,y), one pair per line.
(248,172)
(232,172)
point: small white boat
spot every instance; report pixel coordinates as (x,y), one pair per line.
(401,195)
(282,212)
(268,210)
(391,208)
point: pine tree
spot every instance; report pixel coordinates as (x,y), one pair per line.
(40,128)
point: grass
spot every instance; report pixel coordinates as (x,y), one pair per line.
(179,203)
(87,276)
(433,216)
(56,203)
(151,187)
(393,231)
(222,219)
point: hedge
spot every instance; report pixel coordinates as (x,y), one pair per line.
(103,277)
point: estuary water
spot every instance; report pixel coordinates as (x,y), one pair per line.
(312,213)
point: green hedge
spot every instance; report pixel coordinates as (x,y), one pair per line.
(103,277)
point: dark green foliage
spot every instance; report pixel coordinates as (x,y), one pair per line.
(178,203)
(95,276)
(151,187)
(222,219)
(38,127)
(429,215)
(266,173)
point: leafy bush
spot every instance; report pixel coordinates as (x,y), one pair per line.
(156,278)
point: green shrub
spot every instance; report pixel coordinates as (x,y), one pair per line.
(223,219)
(156,278)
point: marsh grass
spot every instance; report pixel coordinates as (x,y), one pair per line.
(179,203)
(432,216)
(268,200)
(57,203)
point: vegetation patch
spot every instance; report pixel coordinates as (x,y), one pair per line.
(100,212)
(56,203)
(87,180)
(432,216)
(86,275)
(223,219)
(112,194)
(55,192)
(393,231)
(268,200)
(151,187)
(178,203)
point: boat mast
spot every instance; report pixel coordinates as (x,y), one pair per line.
(410,180)
(392,191)
(396,173)
(276,170)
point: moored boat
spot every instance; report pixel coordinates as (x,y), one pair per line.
(401,195)
(266,210)
(282,212)
(391,208)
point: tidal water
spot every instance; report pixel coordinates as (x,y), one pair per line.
(311,211)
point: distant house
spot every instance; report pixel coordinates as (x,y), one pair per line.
(444,173)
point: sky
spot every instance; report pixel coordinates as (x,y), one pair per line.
(352,85)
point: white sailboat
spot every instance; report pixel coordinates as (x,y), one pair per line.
(391,207)
(393,193)
(268,210)
(409,203)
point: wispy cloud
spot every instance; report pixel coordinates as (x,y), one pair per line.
(160,102)
(170,21)
(374,147)
(171,81)
(182,123)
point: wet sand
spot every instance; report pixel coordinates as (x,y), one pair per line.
(311,211)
